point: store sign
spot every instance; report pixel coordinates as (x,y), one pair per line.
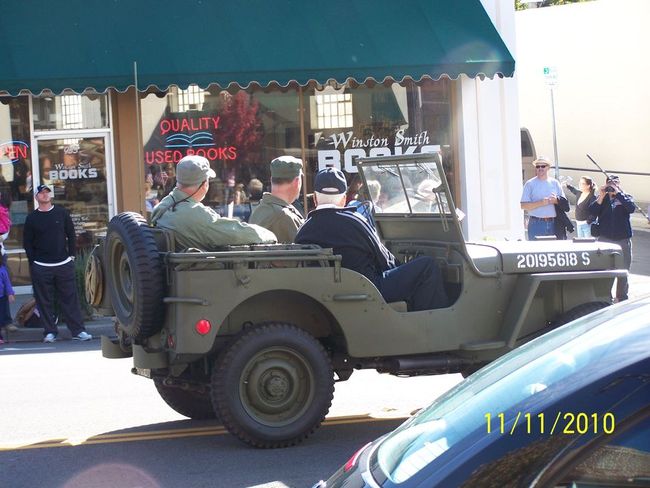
(346,147)
(187,136)
(13,151)
(82,172)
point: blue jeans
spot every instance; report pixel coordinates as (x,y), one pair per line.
(583,230)
(418,283)
(539,227)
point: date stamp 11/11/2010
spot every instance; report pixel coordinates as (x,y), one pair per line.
(563,423)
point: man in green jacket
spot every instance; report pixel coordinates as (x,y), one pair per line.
(196,225)
(275,211)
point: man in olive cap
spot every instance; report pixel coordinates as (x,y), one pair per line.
(196,225)
(275,212)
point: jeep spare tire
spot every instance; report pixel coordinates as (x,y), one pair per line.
(134,275)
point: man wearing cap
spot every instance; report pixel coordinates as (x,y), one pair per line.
(331,225)
(613,208)
(49,242)
(275,212)
(539,198)
(196,225)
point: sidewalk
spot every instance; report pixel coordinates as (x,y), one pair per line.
(96,327)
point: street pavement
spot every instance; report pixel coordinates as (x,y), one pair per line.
(639,286)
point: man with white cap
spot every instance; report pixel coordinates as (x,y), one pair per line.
(49,240)
(539,197)
(275,212)
(331,225)
(196,225)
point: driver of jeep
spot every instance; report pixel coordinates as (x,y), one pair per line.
(331,225)
(194,224)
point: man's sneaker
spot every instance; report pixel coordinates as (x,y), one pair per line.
(49,338)
(82,336)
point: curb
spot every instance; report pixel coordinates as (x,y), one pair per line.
(96,327)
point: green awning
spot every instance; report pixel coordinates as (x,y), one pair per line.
(93,44)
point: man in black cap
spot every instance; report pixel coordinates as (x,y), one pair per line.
(275,212)
(613,208)
(49,242)
(194,224)
(331,225)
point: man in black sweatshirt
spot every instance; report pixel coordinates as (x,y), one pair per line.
(49,241)
(417,282)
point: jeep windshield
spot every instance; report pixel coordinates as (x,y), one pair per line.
(411,186)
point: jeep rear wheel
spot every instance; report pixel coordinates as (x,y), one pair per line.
(580,311)
(273,386)
(134,275)
(194,404)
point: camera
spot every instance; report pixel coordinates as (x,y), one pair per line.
(610,188)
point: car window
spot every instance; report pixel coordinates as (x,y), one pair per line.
(585,346)
(623,461)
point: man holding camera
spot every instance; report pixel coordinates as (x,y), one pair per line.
(613,208)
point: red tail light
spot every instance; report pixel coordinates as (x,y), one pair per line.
(203,327)
(353,460)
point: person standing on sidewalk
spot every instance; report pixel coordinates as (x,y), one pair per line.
(539,197)
(613,208)
(49,242)
(7,296)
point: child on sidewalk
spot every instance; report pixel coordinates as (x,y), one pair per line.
(7,296)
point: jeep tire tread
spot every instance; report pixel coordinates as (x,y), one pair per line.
(191,404)
(134,275)
(273,385)
(580,311)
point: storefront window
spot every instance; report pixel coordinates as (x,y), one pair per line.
(239,132)
(16,179)
(70,111)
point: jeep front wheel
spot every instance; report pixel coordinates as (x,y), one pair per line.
(273,386)
(194,404)
(579,311)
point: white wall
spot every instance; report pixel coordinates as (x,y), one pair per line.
(490,152)
(602,103)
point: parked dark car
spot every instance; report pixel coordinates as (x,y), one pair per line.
(568,409)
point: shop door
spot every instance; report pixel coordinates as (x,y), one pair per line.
(78,168)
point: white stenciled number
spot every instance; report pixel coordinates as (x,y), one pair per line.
(585,259)
(561,259)
(551,260)
(530,260)
(573,259)
(520,261)
(543,260)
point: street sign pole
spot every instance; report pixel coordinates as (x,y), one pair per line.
(557,164)
(550,77)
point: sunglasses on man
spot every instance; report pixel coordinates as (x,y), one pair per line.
(538,166)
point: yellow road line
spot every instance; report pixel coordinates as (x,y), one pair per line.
(170,434)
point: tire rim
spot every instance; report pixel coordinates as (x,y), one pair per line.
(123,280)
(276,386)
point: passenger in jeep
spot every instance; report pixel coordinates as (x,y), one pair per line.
(418,282)
(196,225)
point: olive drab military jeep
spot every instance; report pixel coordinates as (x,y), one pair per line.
(256,336)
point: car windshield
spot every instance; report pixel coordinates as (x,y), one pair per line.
(407,188)
(584,345)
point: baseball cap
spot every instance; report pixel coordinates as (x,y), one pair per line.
(614,178)
(43,187)
(286,167)
(193,170)
(330,181)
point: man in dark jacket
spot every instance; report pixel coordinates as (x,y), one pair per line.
(49,242)
(331,225)
(613,208)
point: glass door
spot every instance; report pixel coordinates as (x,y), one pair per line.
(77,168)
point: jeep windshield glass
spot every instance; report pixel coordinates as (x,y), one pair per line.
(564,359)
(407,188)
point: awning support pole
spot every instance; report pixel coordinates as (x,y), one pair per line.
(139,154)
(303,152)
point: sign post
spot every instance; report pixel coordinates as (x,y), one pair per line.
(551,80)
